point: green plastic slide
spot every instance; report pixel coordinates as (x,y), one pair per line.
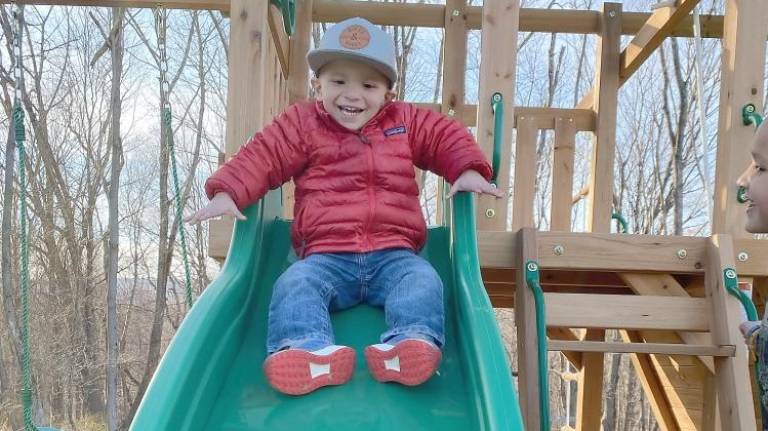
(211,375)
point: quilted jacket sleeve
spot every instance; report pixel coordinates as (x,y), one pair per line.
(268,159)
(443,145)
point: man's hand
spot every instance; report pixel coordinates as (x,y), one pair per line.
(221,204)
(472,181)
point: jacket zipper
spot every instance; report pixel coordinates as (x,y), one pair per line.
(371,193)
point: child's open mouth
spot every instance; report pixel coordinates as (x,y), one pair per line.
(350,110)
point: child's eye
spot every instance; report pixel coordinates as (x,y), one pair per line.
(759,168)
(338,82)
(369,86)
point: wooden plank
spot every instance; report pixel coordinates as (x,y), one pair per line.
(562,174)
(566,335)
(742,74)
(527,335)
(590,387)
(497,75)
(650,36)
(649,379)
(666,285)
(733,380)
(605,105)
(531,19)
(220,5)
(581,310)
(525,175)
(249,37)
(647,348)
(619,252)
(544,118)
(454,69)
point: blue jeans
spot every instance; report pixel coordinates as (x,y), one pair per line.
(398,280)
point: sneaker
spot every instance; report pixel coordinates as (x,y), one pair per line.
(410,362)
(298,372)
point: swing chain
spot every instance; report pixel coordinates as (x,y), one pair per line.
(162,25)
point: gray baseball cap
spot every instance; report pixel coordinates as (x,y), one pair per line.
(356,39)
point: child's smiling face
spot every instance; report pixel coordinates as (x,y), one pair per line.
(352,92)
(755,180)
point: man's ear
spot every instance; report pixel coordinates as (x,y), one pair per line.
(316,87)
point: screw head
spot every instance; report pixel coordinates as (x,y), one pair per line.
(743,256)
(456,12)
(451,112)
(490,213)
(682,253)
(729,273)
(612,13)
(532,266)
(496,97)
(559,250)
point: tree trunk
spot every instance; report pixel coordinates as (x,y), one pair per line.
(113,348)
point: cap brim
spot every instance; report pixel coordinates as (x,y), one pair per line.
(320,57)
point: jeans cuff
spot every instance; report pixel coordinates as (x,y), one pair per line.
(415,331)
(312,341)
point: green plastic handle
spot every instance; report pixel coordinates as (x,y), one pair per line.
(622,221)
(288,9)
(731,282)
(497,104)
(750,116)
(532,279)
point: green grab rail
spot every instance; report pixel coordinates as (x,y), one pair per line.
(750,117)
(497,105)
(731,283)
(622,221)
(532,280)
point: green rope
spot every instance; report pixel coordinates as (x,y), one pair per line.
(179,207)
(532,279)
(26,372)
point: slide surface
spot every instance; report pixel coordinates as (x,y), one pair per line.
(211,375)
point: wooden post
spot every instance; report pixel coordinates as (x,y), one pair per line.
(743,60)
(605,102)
(298,78)
(525,173)
(732,373)
(527,335)
(454,68)
(562,174)
(606,86)
(497,74)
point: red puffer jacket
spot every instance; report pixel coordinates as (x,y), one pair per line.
(355,191)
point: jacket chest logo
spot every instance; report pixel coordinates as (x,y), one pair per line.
(399,130)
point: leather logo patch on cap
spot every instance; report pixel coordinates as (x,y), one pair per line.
(355,37)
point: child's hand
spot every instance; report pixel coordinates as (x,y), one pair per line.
(748,327)
(472,181)
(220,205)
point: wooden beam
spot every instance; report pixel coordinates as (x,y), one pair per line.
(544,118)
(590,388)
(647,348)
(497,75)
(527,335)
(742,71)
(650,380)
(666,285)
(220,5)
(605,105)
(733,381)
(619,252)
(650,36)
(531,19)
(565,334)
(279,37)
(525,177)
(562,174)
(581,310)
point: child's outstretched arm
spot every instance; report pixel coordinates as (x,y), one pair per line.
(446,147)
(269,159)
(221,204)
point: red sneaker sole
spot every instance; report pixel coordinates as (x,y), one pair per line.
(417,362)
(289,371)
